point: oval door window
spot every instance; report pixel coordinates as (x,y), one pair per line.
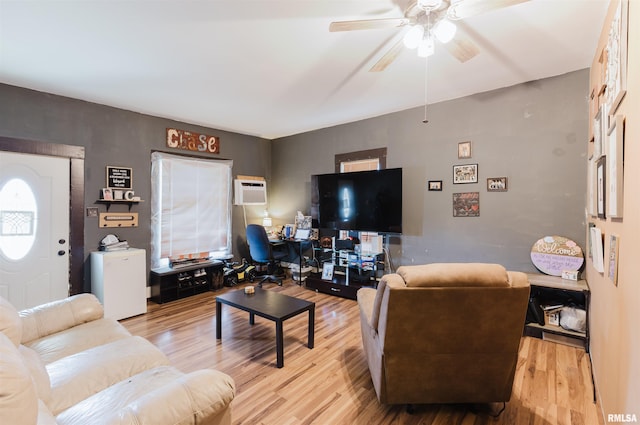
(18,219)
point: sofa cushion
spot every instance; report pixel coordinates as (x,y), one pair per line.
(160,395)
(79,376)
(78,338)
(455,275)
(56,316)
(38,371)
(18,399)
(10,323)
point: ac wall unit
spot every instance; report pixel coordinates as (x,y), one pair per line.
(250,192)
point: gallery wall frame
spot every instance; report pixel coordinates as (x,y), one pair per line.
(615,172)
(465,173)
(601,186)
(464,150)
(592,205)
(614,248)
(616,54)
(466,204)
(434,185)
(597,249)
(497,184)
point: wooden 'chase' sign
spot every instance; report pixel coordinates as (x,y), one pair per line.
(187,140)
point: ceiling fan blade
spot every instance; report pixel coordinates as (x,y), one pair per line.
(367,24)
(468,8)
(388,57)
(462,48)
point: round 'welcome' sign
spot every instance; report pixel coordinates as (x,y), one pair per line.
(553,254)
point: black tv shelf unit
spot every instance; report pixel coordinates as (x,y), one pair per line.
(346,280)
(170,284)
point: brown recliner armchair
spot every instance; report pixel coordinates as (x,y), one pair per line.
(444,333)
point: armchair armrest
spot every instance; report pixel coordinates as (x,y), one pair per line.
(59,315)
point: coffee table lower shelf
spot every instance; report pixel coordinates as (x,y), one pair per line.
(337,286)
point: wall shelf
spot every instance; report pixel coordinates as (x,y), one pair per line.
(109,202)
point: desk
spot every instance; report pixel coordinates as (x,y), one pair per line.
(299,243)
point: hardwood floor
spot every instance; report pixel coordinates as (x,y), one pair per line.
(330,384)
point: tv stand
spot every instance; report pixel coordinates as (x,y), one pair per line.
(349,267)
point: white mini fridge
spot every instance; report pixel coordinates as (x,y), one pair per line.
(118,279)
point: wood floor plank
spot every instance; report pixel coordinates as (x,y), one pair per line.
(330,384)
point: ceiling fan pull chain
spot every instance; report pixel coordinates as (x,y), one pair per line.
(426,79)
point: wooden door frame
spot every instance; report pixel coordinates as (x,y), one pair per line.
(75,154)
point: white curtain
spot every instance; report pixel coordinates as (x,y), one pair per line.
(190,207)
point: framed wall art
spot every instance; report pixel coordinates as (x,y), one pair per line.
(614,246)
(435,185)
(616,66)
(497,184)
(119,177)
(592,208)
(466,204)
(467,173)
(615,142)
(598,125)
(464,150)
(601,186)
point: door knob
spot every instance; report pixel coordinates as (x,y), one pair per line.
(61,252)
(61,241)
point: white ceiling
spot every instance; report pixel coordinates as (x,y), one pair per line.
(272,68)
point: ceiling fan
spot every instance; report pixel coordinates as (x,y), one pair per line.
(428,20)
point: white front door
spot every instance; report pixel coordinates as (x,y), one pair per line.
(34,228)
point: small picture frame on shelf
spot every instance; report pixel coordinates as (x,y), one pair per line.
(435,185)
(327,271)
(464,150)
(497,184)
(106,194)
(118,195)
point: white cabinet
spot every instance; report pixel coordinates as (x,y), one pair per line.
(118,279)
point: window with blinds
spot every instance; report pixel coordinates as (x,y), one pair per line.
(190,207)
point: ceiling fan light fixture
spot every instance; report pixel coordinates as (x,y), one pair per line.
(413,37)
(429,4)
(426,47)
(444,30)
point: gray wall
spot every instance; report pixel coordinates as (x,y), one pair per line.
(122,138)
(532,133)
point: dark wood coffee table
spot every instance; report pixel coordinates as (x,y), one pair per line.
(270,305)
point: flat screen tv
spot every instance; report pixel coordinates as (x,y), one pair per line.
(362,201)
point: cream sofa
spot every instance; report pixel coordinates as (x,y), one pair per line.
(64,363)
(444,333)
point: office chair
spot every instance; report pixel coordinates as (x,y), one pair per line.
(262,253)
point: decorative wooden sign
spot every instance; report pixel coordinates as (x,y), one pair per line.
(119,177)
(110,219)
(190,141)
(554,254)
